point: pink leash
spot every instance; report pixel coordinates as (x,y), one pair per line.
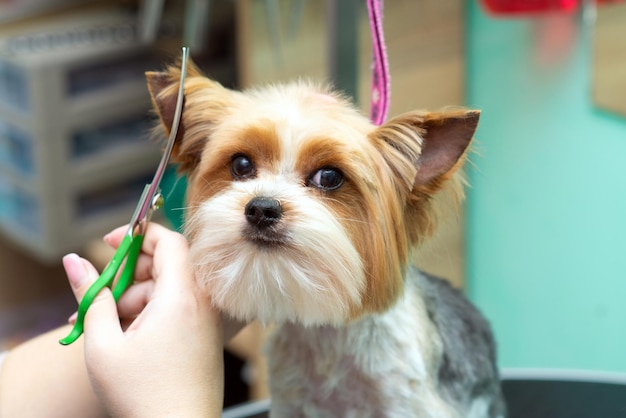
(380,71)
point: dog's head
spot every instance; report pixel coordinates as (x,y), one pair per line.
(299,209)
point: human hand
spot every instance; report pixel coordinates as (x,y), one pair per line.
(168,360)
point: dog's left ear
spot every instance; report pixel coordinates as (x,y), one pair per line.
(426,149)
(446,140)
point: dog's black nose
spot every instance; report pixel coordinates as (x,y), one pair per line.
(263,212)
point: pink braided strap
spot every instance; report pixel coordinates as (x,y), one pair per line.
(380,72)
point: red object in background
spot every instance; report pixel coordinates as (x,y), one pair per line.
(514,8)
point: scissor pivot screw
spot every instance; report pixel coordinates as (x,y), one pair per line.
(158,201)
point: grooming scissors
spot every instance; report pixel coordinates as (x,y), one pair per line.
(130,247)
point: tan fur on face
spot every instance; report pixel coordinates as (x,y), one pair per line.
(344,250)
(213,173)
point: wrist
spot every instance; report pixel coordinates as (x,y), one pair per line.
(178,402)
(175,412)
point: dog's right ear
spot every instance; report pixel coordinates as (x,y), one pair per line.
(205,104)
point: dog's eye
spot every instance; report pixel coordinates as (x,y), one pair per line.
(327,178)
(241,167)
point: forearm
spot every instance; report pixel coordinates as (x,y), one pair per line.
(42,378)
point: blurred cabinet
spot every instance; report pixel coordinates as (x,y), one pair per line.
(73,126)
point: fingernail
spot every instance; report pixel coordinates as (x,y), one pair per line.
(106,237)
(76,273)
(72,319)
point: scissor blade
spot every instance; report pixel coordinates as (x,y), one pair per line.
(153,187)
(177,115)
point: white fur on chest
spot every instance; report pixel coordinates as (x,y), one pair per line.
(379,366)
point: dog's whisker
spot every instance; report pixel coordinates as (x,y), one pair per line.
(352,220)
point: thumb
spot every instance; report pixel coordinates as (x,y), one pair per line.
(102,318)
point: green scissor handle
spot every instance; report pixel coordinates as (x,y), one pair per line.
(128,250)
(126,278)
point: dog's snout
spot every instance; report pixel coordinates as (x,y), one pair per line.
(263,212)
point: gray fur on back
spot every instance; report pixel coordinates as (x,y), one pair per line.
(468,369)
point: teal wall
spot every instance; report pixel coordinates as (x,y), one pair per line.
(546,234)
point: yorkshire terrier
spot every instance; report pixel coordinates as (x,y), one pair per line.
(303,214)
